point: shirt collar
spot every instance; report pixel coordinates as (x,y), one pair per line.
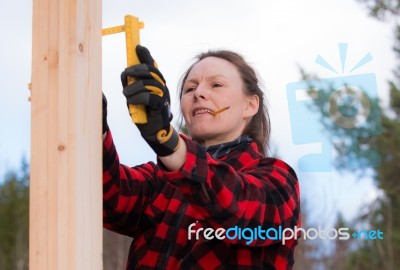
(219,150)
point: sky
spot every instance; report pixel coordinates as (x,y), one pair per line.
(276,37)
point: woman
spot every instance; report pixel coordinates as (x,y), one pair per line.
(199,207)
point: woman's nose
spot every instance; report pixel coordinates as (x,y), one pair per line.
(200,92)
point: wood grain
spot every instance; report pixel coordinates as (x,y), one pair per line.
(65,185)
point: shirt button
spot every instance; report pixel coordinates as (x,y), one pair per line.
(177,181)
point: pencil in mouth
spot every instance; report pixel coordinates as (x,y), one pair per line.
(220,111)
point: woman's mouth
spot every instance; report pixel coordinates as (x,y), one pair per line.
(208,111)
(203,111)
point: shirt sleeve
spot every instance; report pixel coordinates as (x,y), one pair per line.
(126,191)
(262,192)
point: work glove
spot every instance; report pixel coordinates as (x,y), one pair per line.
(149,89)
(105,125)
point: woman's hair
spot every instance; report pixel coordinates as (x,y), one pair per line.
(259,127)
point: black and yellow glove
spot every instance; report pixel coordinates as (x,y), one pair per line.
(149,89)
(105,125)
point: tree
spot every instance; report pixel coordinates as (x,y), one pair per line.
(381,9)
(14,226)
(14,213)
(357,146)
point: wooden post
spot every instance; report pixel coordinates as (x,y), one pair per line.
(65,188)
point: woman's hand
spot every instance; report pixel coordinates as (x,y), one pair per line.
(149,89)
(104,109)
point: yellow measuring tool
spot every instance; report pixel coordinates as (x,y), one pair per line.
(131,29)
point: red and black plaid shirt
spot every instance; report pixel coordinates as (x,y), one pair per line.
(240,188)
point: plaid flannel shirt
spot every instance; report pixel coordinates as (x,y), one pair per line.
(240,188)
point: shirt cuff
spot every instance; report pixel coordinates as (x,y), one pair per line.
(195,168)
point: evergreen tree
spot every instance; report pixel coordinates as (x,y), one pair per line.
(357,146)
(14,225)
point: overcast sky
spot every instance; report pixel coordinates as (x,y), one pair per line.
(275,37)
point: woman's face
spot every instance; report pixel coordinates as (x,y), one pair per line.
(213,84)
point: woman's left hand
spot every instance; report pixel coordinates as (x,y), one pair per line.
(150,89)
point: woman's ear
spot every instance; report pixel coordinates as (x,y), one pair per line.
(252,105)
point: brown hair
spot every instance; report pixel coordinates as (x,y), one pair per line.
(259,127)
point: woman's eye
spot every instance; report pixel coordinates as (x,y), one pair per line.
(189,89)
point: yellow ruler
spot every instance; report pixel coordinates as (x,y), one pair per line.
(131,29)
